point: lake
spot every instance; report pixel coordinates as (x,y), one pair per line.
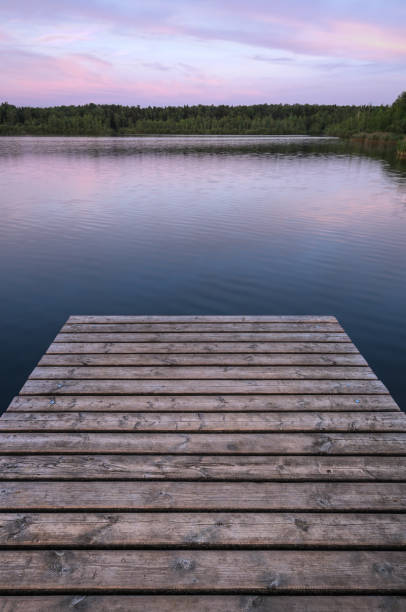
(201,225)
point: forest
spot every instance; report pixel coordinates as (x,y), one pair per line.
(117,120)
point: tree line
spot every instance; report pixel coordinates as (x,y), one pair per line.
(116,120)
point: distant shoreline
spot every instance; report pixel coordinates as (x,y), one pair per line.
(319,120)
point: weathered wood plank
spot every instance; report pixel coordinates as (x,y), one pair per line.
(261,496)
(203,467)
(203,603)
(203,372)
(83,319)
(146,387)
(204,443)
(204,571)
(185,337)
(278,530)
(204,422)
(201,348)
(120,439)
(204,403)
(203,359)
(200,327)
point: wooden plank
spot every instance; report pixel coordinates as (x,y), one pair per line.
(204,570)
(203,372)
(261,496)
(199,327)
(170,348)
(204,443)
(260,530)
(203,467)
(205,359)
(203,603)
(213,435)
(206,337)
(204,403)
(204,422)
(147,387)
(84,319)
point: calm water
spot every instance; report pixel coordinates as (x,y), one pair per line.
(201,225)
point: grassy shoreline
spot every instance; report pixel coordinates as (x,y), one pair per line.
(382,139)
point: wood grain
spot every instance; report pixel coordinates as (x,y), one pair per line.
(205,336)
(84,319)
(204,403)
(204,421)
(205,570)
(195,530)
(170,348)
(147,387)
(260,496)
(204,443)
(203,372)
(201,327)
(201,463)
(202,467)
(203,603)
(205,359)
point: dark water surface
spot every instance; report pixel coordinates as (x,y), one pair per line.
(201,225)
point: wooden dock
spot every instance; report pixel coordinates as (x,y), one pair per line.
(202,464)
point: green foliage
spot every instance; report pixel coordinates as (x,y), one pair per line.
(116,120)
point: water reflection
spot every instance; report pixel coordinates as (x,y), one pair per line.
(205,225)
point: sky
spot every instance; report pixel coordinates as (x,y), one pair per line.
(175,52)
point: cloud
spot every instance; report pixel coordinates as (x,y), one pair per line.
(206,50)
(24,72)
(63,38)
(156,66)
(91,59)
(316,27)
(271,60)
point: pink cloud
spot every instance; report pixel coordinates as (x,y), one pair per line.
(356,40)
(63,38)
(89,58)
(320,27)
(149,44)
(26,72)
